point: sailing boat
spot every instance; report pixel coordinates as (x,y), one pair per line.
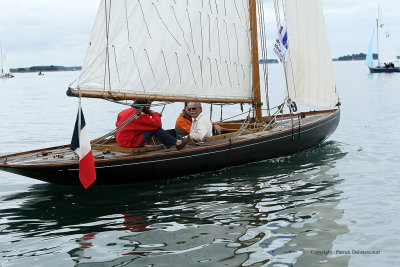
(202,51)
(5,70)
(387,57)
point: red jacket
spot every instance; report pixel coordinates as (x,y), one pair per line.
(132,134)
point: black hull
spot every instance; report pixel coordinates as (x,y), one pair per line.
(133,169)
(383,70)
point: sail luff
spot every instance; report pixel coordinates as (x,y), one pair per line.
(369,60)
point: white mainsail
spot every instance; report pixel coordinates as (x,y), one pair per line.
(387,52)
(171,48)
(309,69)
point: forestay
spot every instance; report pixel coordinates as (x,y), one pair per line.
(170,48)
(309,69)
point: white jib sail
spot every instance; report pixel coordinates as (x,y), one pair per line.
(170,48)
(387,52)
(309,70)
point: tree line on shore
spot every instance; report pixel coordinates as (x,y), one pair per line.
(45,68)
(360,56)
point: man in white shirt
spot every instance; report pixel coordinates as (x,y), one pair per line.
(201,124)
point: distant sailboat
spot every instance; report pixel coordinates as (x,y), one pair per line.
(201,51)
(5,70)
(387,57)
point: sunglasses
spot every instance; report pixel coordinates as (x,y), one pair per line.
(190,109)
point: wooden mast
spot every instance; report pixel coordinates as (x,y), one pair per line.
(256,68)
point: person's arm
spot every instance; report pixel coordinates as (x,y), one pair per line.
(200,129)
(217,128)
(147,122)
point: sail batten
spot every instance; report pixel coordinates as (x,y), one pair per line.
(168,47)
(309,70)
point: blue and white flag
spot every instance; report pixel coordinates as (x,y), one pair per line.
(281,45)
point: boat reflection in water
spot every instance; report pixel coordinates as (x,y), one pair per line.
(262,213)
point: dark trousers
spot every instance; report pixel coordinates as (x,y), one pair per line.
(165,138)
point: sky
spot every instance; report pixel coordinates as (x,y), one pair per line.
(57,32)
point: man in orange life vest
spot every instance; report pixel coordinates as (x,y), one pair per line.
(140,130)
(184,123)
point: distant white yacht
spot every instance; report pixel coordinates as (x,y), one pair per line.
(5,70)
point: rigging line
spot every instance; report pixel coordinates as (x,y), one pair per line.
(237,10)
(244,74)
(219,41)
(264,53)
(179,69)
(201,71)
(209,61)
(202,50)
(166,67)
(216,7)
(107,63)
(162,110)
(148,59)
(237,43)
(278,24)
(237,74)
(102,140)
(220,119)
(179,25)
(227,70)
(127,21)
(145,22)
(225,7)
(209,33)
(138,69)
(191,29)
(274,116)
(290,58)
(116,64)
(190,63)
(243,128)
(246,12)
(219,77)
(227,41)
(166,27)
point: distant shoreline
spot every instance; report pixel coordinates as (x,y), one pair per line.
(33,71)
(50,68)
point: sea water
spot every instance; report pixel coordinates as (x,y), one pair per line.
(334,205)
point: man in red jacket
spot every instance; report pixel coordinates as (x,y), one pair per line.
(139,131)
